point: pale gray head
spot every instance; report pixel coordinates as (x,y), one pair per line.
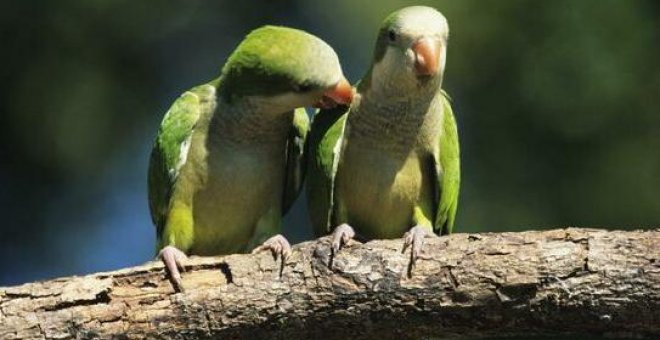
(411,50)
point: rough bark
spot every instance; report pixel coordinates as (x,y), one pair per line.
(552,282)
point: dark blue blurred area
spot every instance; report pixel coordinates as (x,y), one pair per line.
(557,104)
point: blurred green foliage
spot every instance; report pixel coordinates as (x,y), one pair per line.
(557,103)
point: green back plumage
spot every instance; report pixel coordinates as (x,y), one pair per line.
(295,155)
(172,142)
(448,171)
(323,146)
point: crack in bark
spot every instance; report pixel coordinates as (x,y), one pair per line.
(226,271)
(18,295)
(452,277)
(586,258)
(101,298)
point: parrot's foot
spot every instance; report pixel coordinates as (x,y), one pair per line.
(279,246)
(173,259)
(414,239)
(340,236)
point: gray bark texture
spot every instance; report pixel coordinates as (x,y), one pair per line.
(563,281)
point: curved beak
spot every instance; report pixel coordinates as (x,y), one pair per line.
(340,94)
(427,56)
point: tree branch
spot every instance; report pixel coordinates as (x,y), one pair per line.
(551,282)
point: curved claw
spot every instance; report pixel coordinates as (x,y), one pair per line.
(340,236)
(278,245)
(173,259)
(414,239)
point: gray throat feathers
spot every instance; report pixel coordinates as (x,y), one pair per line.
(396,123)
(248,122)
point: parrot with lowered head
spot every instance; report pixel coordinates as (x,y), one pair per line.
(227,162)
(388,164)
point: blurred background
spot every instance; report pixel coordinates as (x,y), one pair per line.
(557,105)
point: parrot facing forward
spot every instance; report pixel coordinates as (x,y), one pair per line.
(388,164)
(227,162)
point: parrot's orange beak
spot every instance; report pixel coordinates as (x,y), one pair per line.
(342,94)
(427,59)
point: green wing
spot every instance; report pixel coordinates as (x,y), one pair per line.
(171,147)
(448,171)
(323,146)
(295,158)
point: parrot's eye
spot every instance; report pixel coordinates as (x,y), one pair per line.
(391,35)
(302,88)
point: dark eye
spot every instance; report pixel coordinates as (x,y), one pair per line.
(391,35)
(302,88)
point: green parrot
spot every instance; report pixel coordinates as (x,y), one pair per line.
(388,164)
(227,162)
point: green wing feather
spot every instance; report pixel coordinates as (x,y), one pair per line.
(170,149)
(323,147)
(448,171)
(295,158)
